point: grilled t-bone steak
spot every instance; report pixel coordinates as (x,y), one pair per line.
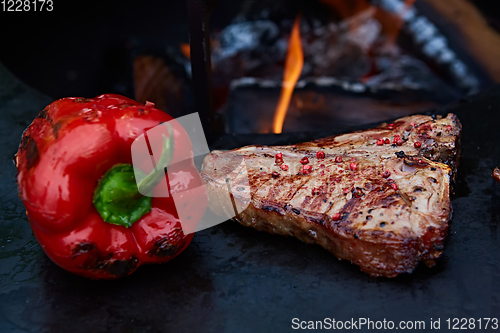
(379,198)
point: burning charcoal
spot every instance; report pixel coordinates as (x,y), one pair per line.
(355,69)
(341,49)
(433,44)
(247,47)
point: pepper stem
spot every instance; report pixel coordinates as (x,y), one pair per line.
(117,197)
(148,184)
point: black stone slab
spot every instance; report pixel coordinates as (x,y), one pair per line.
(236,279)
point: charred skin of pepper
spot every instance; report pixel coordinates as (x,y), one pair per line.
(65,155)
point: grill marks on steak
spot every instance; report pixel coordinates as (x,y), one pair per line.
(386,225)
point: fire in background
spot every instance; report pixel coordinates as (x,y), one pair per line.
(363,62)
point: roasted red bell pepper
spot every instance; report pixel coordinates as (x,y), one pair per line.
(76,180)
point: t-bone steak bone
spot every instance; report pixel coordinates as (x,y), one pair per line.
(379,198)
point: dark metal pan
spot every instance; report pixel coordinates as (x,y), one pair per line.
(233,278)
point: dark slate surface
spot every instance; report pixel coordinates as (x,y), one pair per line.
(235,279)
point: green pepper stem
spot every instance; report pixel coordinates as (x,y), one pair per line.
(148,184)
(117,197)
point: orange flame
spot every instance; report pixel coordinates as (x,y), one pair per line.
(293,67)
(186,50)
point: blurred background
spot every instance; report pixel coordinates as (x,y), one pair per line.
(83,48)
(386,58)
